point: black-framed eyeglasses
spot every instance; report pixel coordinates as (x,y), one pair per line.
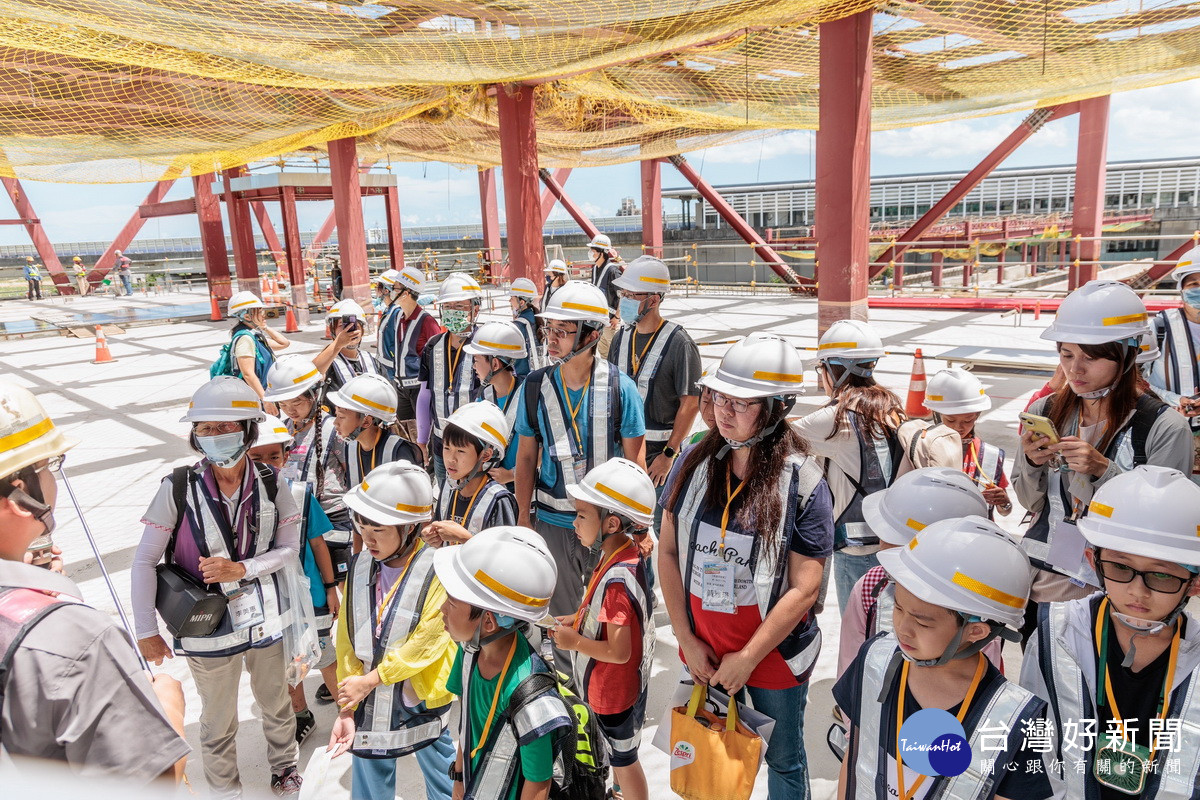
(1163,582)
(628,295)
(560,333)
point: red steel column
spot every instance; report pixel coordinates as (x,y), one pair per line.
(1087,220)
(576,213)
(939,262)
(348,211)
(522,186)
(241,229)
(652,216)
(391,200)
(212,238)
(63,282)
(294,253)
(489,209)
(548,197)
(107,259)
(843,185)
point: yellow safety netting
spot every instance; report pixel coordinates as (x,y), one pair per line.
(128,90)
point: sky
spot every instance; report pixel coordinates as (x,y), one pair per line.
(1148,123)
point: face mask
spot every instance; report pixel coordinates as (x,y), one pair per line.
(455,321)
(1192,297)
(224,450)
(630,310)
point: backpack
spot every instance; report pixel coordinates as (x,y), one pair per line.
(225,364)
(584,755)
(21,610)
(179,485)
(533,392)
(929,445)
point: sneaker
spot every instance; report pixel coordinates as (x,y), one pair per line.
(286,782)
(323,694)
(305,722)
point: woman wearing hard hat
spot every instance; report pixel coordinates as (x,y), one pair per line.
(606,268)
(252,343)
(556,276)
(1175,374)
(343,358)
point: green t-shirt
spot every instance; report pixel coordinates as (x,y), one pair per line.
(537,757)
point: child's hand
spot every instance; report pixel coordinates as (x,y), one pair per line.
(342,735)
(565,638)
(354,690)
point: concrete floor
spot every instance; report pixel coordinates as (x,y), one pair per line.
(126,414)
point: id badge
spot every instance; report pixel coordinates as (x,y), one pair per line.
(580,468)
(716,587)
(1066,554)
(245,609)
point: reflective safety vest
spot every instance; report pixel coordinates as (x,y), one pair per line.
(869,772)
(509,406)
(449,392)
(534,360)
(543,394)
(879,619)
(1066,661)
(632,579)
(343,369)
(1127,448)
(647,368)
(500,762)
(385,343)
(482,506)
(852,531)
(797,482)
(1179,358)
(203,525)
(407,357)
(327,485)
(385,725)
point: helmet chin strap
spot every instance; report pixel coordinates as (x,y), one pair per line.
(1129,363)
(627,528)
(575,348)
(481,466)
(505,624)
(733,444)
(953,652)
(863,369)
(405,540)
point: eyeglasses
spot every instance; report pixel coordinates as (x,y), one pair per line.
(560,333)
(53,464)
(1163,582)
(739,406)
(628,295)
(216,428)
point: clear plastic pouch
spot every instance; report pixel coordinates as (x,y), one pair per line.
(301,642)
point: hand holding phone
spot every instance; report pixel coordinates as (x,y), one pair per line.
(1040,425)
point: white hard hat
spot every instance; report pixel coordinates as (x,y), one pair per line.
(761,365)
(291,376)
(500,339)
(955,391)
(485,421)
(1148,347)
(577,301)
(1188,265)
(241,302)
(1099,312)
(398,493)
(411,278)
(600,242)
(388,278)
(346,308)
(273,431)
(1153,512)
(459,286)
(850,339)
(372,395)
(556,265)
(507,570)
(524,288)
(645,274)
(966,565)
(619,486)
(27,434)
(224,398)
(919,498)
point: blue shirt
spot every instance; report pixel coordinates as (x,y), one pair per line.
(316,525)
(631,426)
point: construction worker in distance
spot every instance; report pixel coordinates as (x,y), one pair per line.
(1106,423)
(522,296)
(1126,657)
(957,398)
(81,280)
(474,441)
(914,502)
(72,690)
(959,584)
(579,413)
(556,277)
(394,654)
(447,379)
(496,347)
(229,524)
(497,584)
(856,434)
(606,268)
(252,343)
(611,635)
(33,279)
(403,337)
(122,265)
(661,358)
(344,358)
(1175,374)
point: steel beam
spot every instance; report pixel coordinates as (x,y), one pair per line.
(522,196)
(293,253)
(735,221)
(490,212)
(939,264)
(1087,217)
(348,211)
(391,206)
(241,230)
(170,208)
(548,199)
(212,239)
(107,259)
(560,194)
(843,163)
(267,228)
(37,235)
(652,216)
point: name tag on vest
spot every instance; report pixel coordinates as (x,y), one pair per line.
(245,608)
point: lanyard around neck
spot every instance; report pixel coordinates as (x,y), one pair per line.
(989,483)
(636,358)
(728,505)
(470,503)
(595,581)
(487,726)
(574,410)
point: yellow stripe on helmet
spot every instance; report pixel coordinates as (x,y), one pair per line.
(1124,320)
(777,376)
(503,439)
(26,435)
(501,345)
(620,498)
(502,590)
(990,592)
(373,404)
(249,302)
(413,509)
(916,526)
(660,281)
(1100,508)
(585,307)
(836,345)
(243,404)
(306,376)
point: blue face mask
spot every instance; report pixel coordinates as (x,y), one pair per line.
(629,309)
(1192,296)
(224,450)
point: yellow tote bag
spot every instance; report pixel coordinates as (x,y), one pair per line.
(712,758)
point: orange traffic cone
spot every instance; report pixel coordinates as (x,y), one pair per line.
(103,356)
(289,324)
(915,405)
(215,315)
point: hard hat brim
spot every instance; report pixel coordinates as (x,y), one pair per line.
(356,501)
(891,561)
(1137,542)
(717,384)
(980,404)
(447,566)
(625,282)
(880,525)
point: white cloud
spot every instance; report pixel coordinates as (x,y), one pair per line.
(958,140)
(775,145)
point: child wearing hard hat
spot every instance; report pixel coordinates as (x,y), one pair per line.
(959,584)
(522,296)
(475,439)
(612,633)
(394,654)
(497,584)
(271,447)
(1119,668)
(343,358)
(497,348)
